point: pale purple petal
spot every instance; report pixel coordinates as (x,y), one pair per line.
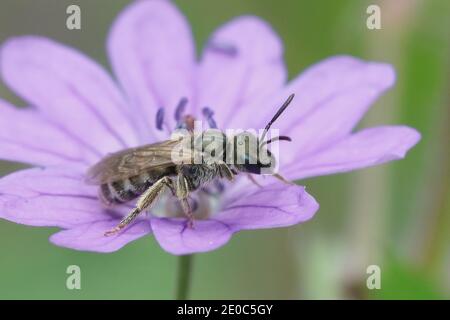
(242,63)
(330,99)
(26,136)
(175,237)
(51,197)
(275,205)
(90,236)
(336,115)
(366,148)
(152,53)
(71,90)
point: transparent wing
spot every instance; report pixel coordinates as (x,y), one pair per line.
(131,162)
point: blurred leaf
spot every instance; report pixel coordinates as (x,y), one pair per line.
(401,280)
(424,83)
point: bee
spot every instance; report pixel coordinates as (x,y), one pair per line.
(147,171)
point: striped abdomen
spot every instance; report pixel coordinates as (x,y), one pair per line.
(125,190)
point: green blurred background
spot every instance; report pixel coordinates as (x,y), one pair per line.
(396,216)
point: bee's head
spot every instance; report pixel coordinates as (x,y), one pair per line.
(253,156)
(251,152)
(249,156)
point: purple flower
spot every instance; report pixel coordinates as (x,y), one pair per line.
(78,114)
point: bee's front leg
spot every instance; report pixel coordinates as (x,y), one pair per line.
(144,202)
(225,171)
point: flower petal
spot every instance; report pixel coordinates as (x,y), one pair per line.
(25,136)
(71,90)
(275,205)
(330,99)
(90,236)
(152,53)
(175,237)
(242,62)
(50,197)
(272,206)
(365,148)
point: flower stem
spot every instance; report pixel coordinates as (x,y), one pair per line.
(184,276)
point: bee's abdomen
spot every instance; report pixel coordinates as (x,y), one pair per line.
(122,191)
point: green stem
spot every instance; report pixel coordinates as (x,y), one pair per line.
(184,276)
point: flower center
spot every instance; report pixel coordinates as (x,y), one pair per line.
(206,199)
(182,120)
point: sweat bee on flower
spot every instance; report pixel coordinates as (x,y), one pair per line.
(182,164)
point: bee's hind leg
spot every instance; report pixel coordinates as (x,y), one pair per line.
(144,202)
(124,222)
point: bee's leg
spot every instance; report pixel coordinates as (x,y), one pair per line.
(188,212)
(252,179)
(182,192)
(283,179)
(225,171)
(143,203)
(171,187)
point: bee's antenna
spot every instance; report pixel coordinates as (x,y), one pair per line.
(279,138)
(275,117)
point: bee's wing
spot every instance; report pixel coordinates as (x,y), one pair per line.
(131,162)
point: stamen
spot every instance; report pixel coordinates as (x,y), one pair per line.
(208,114)
(224,48)
(160,119)
(219,185)
(194,205)
(181,107)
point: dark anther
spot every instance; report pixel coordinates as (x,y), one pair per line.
(224,48)
(219,185)
(218,189)
(208,191)
(160,118)
(181,107)
(194,205)
(208,114)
